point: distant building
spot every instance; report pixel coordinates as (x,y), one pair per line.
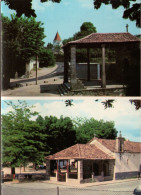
(57,40)
(57,45)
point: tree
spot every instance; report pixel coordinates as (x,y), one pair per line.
(22,138)
(49,46)
(22,40)
(131,11)
(24,7)
(46,58)
(24,36)
(86,129)
(109,103)
(85,29)
(61,133)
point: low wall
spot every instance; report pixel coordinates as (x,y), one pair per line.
(81,70)
(99,92)
(126,175)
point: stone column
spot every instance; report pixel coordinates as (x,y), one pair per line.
(66,65)
(88,64)
(103,84)
(75,83)
(47,169)
(80,170)
(73,66)
(98,71)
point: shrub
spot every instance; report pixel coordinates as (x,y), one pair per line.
(46,58)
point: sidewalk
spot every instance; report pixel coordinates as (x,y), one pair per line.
(84,185)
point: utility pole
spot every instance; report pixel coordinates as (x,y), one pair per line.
(36,69)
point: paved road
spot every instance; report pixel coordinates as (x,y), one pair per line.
(48,81)
(124,188)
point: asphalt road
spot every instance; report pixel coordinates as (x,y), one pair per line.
(37,188)
(47,85)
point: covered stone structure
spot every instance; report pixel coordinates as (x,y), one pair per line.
(98,160)
(123,43)
(80,163)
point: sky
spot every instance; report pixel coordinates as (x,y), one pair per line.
(67,17)
(125,116)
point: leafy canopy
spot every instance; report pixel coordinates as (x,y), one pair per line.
(22,138)
(131,11)
(60,131)
(85,29)
(24,36)
(86,129)
(24,6)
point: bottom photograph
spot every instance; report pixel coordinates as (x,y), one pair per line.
(71,146)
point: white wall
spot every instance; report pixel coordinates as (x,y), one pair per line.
(128,162)
(30,65)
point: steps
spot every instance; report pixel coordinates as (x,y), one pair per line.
(64,89)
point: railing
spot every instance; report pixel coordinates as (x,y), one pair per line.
(61,176)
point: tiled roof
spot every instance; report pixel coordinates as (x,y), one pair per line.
(80,151)
(57,37)
(106,38)
(128,145)
(132,146)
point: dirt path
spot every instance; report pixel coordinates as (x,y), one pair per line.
(48,81)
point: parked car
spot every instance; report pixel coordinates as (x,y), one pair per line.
(137,190)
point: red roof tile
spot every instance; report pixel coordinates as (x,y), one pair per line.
(57,37)
(129,146)
(80,151)
(106,38)
(132,146)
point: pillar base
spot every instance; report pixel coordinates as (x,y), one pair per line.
(76,84)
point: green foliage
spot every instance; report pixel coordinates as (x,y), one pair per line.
(108,103)
(22,138)
(85,29)
(86,129)
(69,102)
(49,46)
(61,133)
(24,36)
(24,7)
(46,58)
(130,11)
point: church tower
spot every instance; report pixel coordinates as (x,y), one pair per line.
(57,40)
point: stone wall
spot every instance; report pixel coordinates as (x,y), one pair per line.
(98,92)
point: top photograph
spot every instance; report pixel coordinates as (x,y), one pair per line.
(70,48)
